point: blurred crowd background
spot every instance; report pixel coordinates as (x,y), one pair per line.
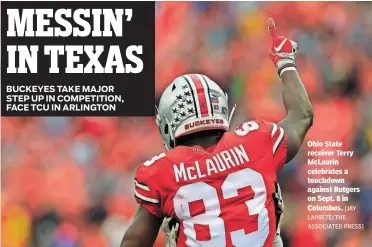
(67,182)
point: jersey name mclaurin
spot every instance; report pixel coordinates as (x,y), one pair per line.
(219,162)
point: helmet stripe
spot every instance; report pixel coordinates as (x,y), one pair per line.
(200,92)
(208,93)
(192,94)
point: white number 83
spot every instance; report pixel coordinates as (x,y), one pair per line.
(211,217)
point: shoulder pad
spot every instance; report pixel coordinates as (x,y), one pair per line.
(149,168)
(248,126)
(154,159)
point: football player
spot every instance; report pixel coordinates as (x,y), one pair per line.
(218,184)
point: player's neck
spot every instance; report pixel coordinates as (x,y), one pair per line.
(205,142)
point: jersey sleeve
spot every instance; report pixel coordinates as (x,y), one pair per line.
(146,191)
(278,142)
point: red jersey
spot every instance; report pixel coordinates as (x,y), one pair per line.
(222,196)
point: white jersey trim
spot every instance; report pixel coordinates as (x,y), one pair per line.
(277,142)
(145,198)
(273,130)
(141,186)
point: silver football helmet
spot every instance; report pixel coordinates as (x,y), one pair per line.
(191,103)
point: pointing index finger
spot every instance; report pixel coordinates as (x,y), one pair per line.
(271,27)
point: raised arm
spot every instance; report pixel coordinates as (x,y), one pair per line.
(299,112)
(143,230)
(297,104)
